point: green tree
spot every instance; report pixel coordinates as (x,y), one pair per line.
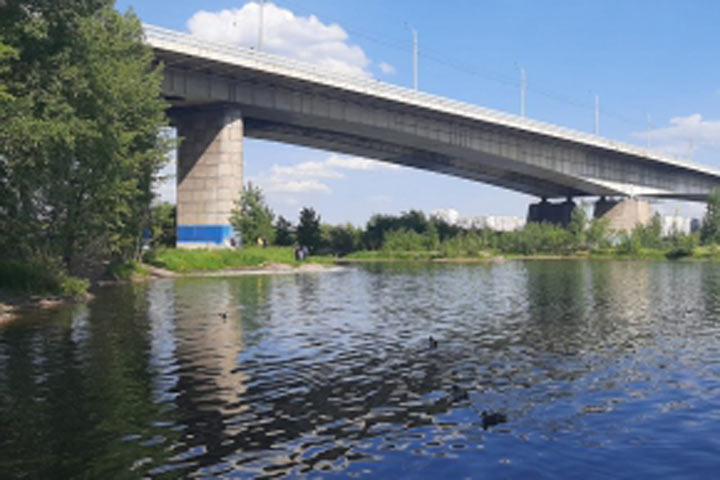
(252,217)
(164,225)
(578,226)
(710,230)
(284,235)
(342,239)
(80,147)
(6,53)
(404,240)
(308,229)
(597,233)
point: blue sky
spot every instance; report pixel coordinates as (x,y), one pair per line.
(651,62)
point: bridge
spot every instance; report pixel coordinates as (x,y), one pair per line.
(220,94)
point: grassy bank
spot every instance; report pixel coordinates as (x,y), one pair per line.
(179,260)
(41,277)
(707,253)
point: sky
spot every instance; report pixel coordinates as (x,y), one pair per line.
(653,65)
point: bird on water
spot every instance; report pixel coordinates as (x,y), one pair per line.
(491,419)
(432,343)
(459,394)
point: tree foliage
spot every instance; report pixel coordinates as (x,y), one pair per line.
(578,226)
(710,230)
(252,217)
(79,143)
(284,235)
(163,225)
(341,239)
(308,229)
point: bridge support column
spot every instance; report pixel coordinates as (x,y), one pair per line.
(209,175)
(557,213)
(623,214)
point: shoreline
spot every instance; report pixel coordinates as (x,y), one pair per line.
(269,269)
(13,303)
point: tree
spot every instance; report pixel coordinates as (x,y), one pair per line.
(597,233)
(164,224)
(252,217)
(284,235)
(6,53)
(80,148)
(342,239)
(710,230)
(308,229)
(578,225)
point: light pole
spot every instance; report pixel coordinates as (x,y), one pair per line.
(260,25)
(597,114)
(415,59)
(523,88)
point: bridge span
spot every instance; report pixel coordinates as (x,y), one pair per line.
(221,93)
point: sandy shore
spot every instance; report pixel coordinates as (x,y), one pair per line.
(270,269)
(12,304)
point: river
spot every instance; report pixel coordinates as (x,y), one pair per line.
(604,370)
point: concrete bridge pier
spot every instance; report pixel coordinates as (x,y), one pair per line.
(623,214)
(209,174)
(557,213)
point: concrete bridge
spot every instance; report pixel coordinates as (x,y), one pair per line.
(220,94)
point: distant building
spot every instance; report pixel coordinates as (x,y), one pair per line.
(675,224)
(493,222)
(447,215)
(497,223)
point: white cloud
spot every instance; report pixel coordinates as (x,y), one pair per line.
(308,176)
(685,135)
(386,68)
(284,33)
(357,163)
(307,169)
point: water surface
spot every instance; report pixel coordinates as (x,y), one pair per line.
(604,369)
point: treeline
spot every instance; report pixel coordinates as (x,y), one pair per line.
(81,113)
(413,231)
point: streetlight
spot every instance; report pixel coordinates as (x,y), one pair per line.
(260,25)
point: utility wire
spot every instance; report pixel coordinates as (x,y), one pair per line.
(441,58)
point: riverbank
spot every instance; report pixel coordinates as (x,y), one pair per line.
(244,259)
(13,303)
(153,272)
(705,253)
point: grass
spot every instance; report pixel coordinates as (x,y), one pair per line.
(384,255)
(180,260)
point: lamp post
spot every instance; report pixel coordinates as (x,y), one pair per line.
(260,25)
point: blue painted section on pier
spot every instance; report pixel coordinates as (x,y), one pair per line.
(204,234)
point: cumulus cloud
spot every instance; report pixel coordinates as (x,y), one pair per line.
(386,68)
(309,176)
(685,135)
(284,33)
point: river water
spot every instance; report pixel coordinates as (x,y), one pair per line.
(604,370)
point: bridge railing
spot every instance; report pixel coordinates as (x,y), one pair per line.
(159,37)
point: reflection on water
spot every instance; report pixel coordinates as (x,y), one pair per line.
(609,368)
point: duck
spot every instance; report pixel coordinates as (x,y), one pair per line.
(432,343)
(459,394)
(223,315)
(491,419)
